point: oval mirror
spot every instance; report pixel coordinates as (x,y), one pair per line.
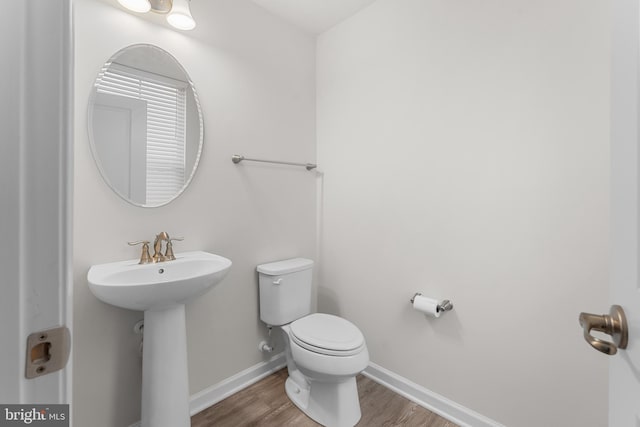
(145,125)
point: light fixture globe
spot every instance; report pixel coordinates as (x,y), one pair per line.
(140,6)
(180,16)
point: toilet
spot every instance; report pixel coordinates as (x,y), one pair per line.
(324,352)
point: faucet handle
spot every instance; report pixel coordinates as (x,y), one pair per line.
(168,254)
(145,258)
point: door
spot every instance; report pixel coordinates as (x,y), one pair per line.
(35,193)
(119,125)
(624,371)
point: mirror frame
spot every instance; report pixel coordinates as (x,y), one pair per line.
(92,142)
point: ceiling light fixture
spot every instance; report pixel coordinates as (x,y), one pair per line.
(140,6)
(180,16)
(179,11)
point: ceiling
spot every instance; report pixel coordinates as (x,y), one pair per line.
(314,16)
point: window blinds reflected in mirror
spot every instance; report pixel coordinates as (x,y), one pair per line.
(145,126)
(164,99)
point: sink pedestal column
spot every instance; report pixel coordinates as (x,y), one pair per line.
(165,377)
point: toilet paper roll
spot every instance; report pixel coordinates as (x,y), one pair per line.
(428,306)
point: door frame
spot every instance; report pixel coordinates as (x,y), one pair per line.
(624,367)
(36,186)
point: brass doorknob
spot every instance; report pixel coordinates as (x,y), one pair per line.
(614,324)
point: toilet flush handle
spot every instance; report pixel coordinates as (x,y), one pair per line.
(277,281)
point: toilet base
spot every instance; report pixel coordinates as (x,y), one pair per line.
(298,395)
(332,404)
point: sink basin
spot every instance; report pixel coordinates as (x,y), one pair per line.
(161,291)
(128,284)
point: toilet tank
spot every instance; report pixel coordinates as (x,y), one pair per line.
(285,290)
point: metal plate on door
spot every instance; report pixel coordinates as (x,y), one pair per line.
(47,351)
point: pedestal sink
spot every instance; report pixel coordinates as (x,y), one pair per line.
(161,290)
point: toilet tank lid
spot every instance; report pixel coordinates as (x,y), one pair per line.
(284,267)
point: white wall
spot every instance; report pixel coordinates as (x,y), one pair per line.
(255,80)
(465,152)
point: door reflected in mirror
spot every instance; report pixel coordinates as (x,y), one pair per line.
(145,125)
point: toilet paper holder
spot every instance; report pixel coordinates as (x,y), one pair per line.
(445,305)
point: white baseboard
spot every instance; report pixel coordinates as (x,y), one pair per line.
(442,406)
(220,391)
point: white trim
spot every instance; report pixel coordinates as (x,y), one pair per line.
(36,116)
(225,388)
(440,405)
(67,173)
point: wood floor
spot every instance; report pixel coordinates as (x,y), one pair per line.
(266,404)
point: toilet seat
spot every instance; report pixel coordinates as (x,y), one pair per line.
(327,334)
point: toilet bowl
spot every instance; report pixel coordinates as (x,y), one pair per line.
(324,352)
